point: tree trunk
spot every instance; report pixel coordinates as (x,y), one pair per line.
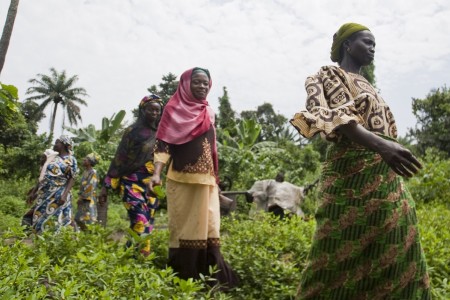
(7,31)
(52,124)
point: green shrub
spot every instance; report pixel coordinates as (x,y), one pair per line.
(268,254)
(86,266)
(434,222)
(432,184)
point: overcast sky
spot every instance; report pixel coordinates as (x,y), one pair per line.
(261,50)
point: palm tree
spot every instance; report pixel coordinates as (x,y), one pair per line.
(7,31)
(57,89)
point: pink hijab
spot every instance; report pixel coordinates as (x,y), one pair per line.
(184,117)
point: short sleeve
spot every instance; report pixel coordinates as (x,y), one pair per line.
(161,152)
(329,104)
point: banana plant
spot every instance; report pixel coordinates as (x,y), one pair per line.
(90,134)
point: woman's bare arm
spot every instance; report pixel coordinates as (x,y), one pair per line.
(400,159)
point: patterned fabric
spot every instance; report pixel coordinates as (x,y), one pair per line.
(336,97)
(48,212)
(366,244)
(191,162)
(93,158)
(87,206)
(135,148)
(151,98)
(67,141)
(140,207)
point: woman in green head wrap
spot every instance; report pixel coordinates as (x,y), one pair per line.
(344,32)
(367,244)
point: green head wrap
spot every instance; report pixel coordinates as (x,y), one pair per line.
(341,35)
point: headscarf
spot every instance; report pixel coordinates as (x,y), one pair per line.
(344,32)
(136,147)
(150,98)
(50,156)
(93,158)
(67,141)
(185,117)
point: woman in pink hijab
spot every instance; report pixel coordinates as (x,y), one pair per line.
(186,141)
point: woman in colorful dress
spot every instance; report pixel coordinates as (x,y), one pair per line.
(48,156)
(186,141)
(132,167)
(367,244)
(53,208)
(87,195)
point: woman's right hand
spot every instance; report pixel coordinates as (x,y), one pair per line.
(154,181)
(400,159)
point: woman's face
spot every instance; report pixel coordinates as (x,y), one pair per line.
(86,162)
(152,111)
(362,47)
(58,146)
(200,85)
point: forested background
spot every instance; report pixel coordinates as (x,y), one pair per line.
(267,253)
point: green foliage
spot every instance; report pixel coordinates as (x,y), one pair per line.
(268,254)
(104,141)
(9,105)
(56,89)
(432,183)
(22,161)
(245,160)
(433,121)
(32,115)
(85,266)
(166,88)
(13,133)
(226,120)
(369,73)
(247,133)
(13,127)
(272,124)
(435,238)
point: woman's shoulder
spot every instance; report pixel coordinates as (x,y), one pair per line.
(324,72)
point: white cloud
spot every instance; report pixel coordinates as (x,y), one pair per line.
(261,51)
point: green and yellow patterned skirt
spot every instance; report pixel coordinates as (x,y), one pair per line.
(366,244)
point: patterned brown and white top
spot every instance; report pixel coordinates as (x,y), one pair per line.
(336,97)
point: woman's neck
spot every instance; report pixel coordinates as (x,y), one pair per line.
(349,65)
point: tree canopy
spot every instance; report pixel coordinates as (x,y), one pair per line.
(433,121)
(58,89)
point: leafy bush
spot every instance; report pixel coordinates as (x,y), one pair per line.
(433,224)
(268,254)
(432,184)
(86,266)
